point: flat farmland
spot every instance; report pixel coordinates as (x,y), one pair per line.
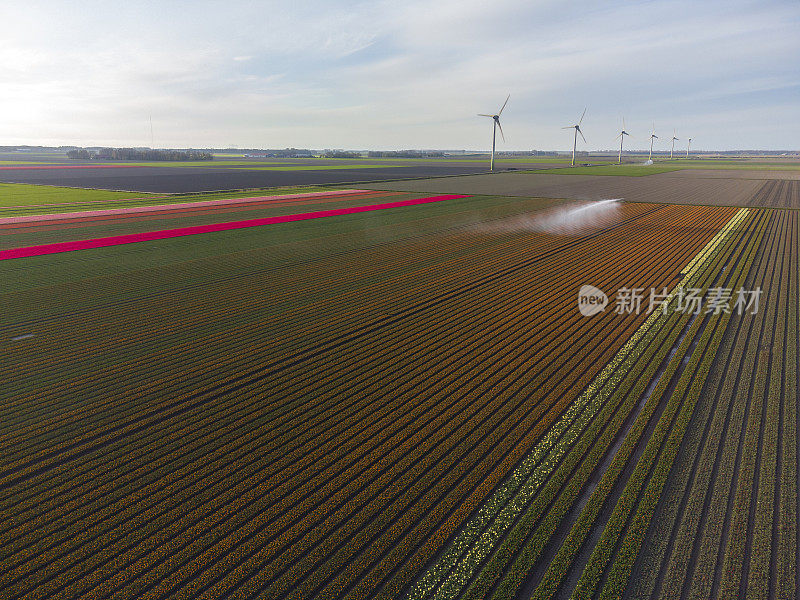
(727,525)
(83,223)
(398,397)
(650,188)
(677,187)
(167,179)
(350,305)
(740,173)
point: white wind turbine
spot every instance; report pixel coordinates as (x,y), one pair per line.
(577,128)
(688,144)
(495,125)
(621,137)
(653,136)
(672,150)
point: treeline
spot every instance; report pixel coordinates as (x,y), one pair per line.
(137,154)
(404,154)
(384,154)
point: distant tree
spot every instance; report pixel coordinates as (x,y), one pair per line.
(150,154)
(79,153)
(338,154)
(404,154)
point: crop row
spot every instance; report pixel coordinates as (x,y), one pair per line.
(622,535)
(93,226)
(481,533)
(754,498)
(545,514)
(242,303)
(691,478)
(694,562)
(344,355)
(237,311)
(394,588)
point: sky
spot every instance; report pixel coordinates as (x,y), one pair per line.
(397,75)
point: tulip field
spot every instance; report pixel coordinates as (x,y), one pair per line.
(370,395)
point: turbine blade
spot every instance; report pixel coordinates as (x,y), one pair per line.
(504,105)
(501,130)
(579,131)
(483,115)
(569,127)
(583,115)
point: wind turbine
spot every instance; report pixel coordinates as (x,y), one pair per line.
(689,143)
(672,150)
(495,125)
(577,128)
(621,137)
(653,136)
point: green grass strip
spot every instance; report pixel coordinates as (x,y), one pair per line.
(40,203)
(23,194)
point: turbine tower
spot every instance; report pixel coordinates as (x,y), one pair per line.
(688,144)
(577,128)
(495,125)
(621,137)
(653,136)
(672,150)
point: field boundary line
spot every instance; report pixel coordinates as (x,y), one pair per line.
(162,207)
(132,238)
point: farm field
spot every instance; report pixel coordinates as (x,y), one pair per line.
(54,200)
(668,188)
(21,195)
(716,173)
(401,402)
(227,174)
(727,525)
(615,170)
(211,177)
(652,189)
(85,222)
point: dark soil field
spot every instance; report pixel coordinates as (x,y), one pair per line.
(196,179)
(726,188)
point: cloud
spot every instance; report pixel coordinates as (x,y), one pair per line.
(398,75)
